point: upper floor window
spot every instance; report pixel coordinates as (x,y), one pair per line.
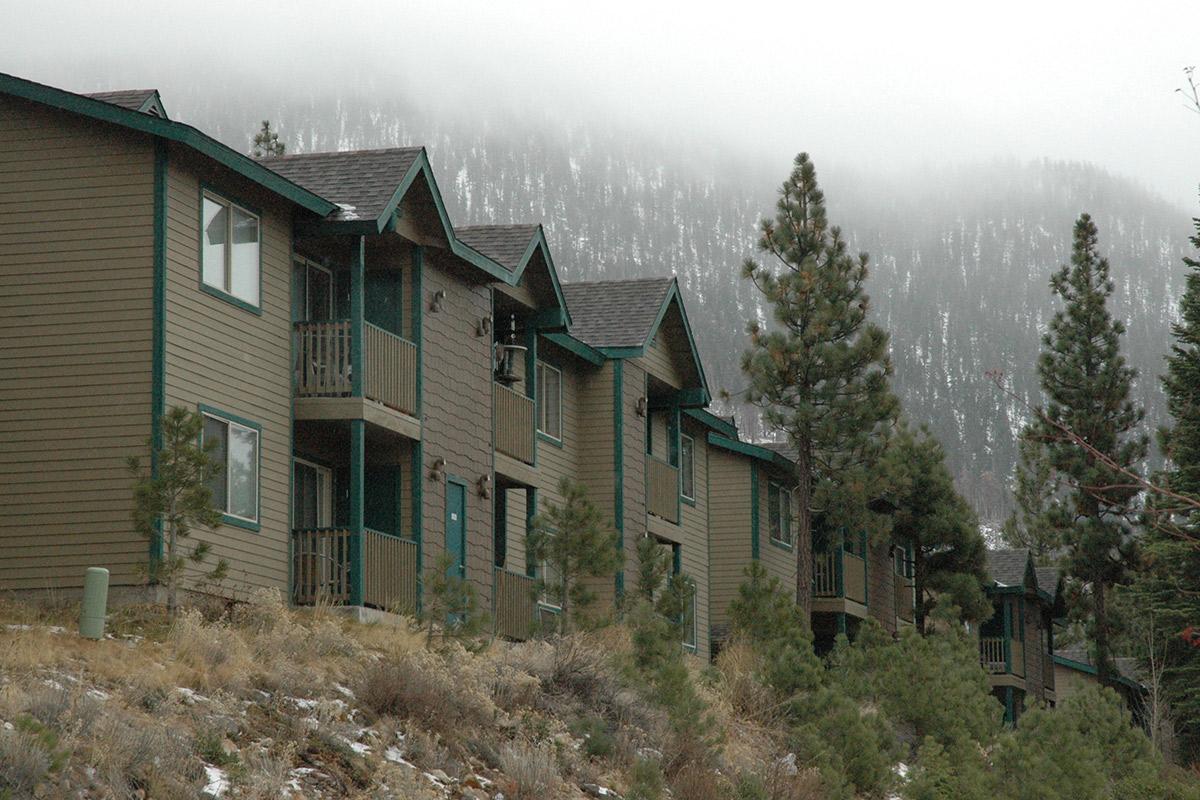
(687,467)
(229,252)
(235,486)
(549,400)
(779,511)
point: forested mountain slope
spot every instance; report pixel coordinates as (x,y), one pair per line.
(962,255)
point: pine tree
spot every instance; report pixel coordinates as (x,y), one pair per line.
(1089,429)
(175,497)
(266,142)
(1035,524)
(820,371)
(1167,585)
(574,543)
(949,553)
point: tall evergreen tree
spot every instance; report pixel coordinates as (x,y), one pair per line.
(1089,427)
(820,371)
(1169,585)
(949,554)
(266,142)
(1034,524)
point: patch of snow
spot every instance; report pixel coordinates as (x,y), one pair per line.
(358,747)
(343,690)
(348,211)
(189,696)
(901,769)
(396,756)
(55,629)
(217,782)
(97,694)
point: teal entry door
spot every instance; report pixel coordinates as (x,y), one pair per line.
(456,527)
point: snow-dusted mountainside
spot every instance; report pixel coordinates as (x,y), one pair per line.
(962,255)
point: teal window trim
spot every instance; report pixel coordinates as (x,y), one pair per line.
(227,417)
(218,195)
(545,435)
(683,496)
(754,512)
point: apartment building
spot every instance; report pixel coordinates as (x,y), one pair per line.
(387,392)
(1016,646)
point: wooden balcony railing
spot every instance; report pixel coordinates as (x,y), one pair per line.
(389,572)
(323,572)
(321,566)
(323,366)
(854,577)
(323,359)
(514,423)
(515,604)
(825,566)
(389,369)
(664,489)
(905,599)
(991,654)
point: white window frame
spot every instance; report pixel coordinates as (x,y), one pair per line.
(227,261)
(542,600)
(784,510)
(226,472)
(542,368)
(325,501)
(691,472)
(309,266)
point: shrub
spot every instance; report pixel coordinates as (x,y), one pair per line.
(598,741)
(646,780)
(24,763)
(531,770)
(432,689)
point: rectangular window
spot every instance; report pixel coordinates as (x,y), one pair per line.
(229,251)
(551,583)
(687,467)
(779,514)
(312,495)
(549,397)
(235,486)
(689,623)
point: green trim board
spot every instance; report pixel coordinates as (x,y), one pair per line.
(754,513)
(619,472)
(752,450)
(358,447)
(158,369)
(228,519)
(706,417)
(576,347)
(167,129)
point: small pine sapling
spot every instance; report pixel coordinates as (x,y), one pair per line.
(173,498)
(451,607)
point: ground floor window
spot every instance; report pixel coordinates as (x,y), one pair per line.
(235,448)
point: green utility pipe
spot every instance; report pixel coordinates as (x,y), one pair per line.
(95,603)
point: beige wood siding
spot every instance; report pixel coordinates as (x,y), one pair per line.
(881,578)
(659,360)
(729,530)
(76,289)
(235,360)
(457,410)
(779,561)
(634,461)
(693,526)
(595,429)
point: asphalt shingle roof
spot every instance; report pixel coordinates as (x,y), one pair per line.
(504,244)
(615,313)
(133,99)
(1126,667)
(1047,578)
(361,182)
(1007,567)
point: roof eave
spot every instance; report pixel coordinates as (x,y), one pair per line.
(166,129)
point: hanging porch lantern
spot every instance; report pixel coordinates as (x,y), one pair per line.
(507,355)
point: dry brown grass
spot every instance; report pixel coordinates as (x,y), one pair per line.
(531,771)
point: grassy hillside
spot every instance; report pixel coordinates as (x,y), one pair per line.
(261,701)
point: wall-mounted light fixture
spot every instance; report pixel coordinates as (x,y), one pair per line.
(484,327)
(643,406)
(437,471)
(439,298)
(485,486)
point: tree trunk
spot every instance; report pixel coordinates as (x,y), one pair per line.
(1104,665)
(919,591)
(803,541)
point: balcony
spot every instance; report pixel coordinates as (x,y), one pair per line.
(839,583)
(515,428)
(324,364)
(1003,659)
(663,499)
(323,569)
(515,605)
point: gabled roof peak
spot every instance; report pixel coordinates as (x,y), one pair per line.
(146,101)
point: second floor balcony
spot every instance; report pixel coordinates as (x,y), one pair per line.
(840,575)
(663,489)
(1002,656)
(515,423)
(325,364)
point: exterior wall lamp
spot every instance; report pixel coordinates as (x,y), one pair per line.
(437,472)
(485,486)
(643,405)
(439,297)
(484,327)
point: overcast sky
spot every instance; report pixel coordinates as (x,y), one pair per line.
(859,84)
